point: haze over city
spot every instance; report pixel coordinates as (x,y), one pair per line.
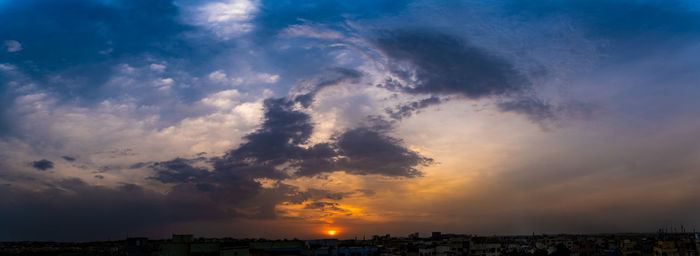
(340,119)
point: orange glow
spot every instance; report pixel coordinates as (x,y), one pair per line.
(331,232)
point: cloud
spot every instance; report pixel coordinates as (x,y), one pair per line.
(218,76)
(369,150)
(437,63)
(540,112)
(364,150)
(408,109)
(68,158)
(535,109)
(277,151)
(268,78)
(334,76)
(79,65)
(71,209)
(227,19)
(158,67)
(311,32)
(42,164)
(434,63)
(13,46)
(276,142)
(177,170)
(7,67)
(324,206)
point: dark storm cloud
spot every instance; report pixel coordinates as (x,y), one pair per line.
(74,210)
(367,150)
(408,109)
(178,170)
(232,179)
(42,164)
(278,140)
(442,64)
(364,150)
(438,63)
(219,185)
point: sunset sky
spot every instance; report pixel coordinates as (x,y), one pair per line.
(284,119)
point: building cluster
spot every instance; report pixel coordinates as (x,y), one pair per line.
(437,244)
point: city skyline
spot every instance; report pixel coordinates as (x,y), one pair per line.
(282,119)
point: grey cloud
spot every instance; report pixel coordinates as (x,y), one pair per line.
(364,150)
(178,170)
(368,150)
(42,164)
(336,76)
(442,64)
(324,206)
(231,181)
(232,178)
(139,165)
(437,63)
(74,210)
(68,158)
(535,109)
(408,109)
(541,112)
(317,194)
(282,131)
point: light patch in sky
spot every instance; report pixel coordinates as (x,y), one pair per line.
(268,78)
(13,46)
(309,31)
(157,67)
(228,19)
(7,67)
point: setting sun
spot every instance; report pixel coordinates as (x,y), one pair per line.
(331,232)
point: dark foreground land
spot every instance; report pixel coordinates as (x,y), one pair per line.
(653,244)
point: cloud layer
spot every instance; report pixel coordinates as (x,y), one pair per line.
(159,117)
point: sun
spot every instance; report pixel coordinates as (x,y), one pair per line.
(331,232)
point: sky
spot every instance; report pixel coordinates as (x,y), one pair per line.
(287,119)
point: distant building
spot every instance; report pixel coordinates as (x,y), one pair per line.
(665,248)
(137,246)
(184,245)
(235,251)
(485,249)
(277,248)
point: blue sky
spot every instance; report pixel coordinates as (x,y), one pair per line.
(287,118)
